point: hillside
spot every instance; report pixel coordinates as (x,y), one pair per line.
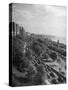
(37,60)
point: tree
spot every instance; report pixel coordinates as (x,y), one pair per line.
(53,55)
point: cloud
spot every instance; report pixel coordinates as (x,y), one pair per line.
(57,10)
(41,18)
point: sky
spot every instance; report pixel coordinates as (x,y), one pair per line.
(41,19)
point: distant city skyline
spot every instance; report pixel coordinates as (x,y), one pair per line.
(41,19)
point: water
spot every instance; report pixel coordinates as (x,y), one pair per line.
(61,40)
